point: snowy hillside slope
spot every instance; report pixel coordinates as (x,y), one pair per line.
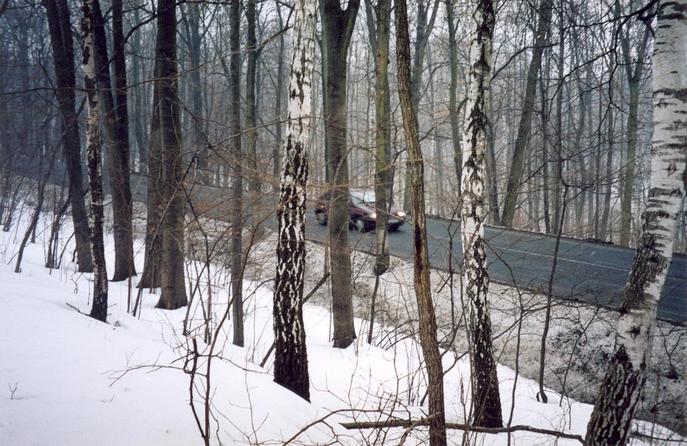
(66,379)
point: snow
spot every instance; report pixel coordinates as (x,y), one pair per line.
(67,379)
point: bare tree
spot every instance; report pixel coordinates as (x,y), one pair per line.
(252,86)
(337,28)
(379,21)
(424,24)
(454,109)
(63,56)
(486,400)
(515,177)
(634,71)
(291,358)
(173,292)
(117,138)
(620,392)
(237,170)
(423,292)
(93,151)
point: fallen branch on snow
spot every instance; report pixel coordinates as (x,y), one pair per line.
(465,427)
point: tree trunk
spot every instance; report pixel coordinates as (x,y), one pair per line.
(423,29)
(63,57)
(605,233)
(118,151)
(634,68)
(421,280)
(94,157)
(151,266)
(486,402)
(453,107)
(33,223)
(255,213)
(278,114)
(139,102)
(545,111)
(620,392)
(558,154)
(171,226)
(237,171)
(199,141)
(382,134)
(490,161)
(337,28)
(291,358)
(630,165)
(520,151)
(121,89)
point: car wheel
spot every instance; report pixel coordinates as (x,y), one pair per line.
(360,225)
(321,218)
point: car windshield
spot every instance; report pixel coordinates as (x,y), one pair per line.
(363,196)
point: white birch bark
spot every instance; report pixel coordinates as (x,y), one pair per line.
(291,360)
(486,401)
(620,393)
(94,156)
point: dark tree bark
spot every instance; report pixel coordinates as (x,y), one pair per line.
(117,137)
(606,228)
(490,162)
(155,187)
(291,358)
(525,126)
(151,266)
(424,25)
(40,198)
(199,141)
(545,142)
(237,171)
(379,24)
(63,56)
(620,392)
(634,72)
(454,109)
(251,102)
(173,292)
(139,105)
(337,28)
(423,292)
(119,70)
(278,112)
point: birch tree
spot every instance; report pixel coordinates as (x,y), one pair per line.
(486,401)
(94,157)
(620,392)
(291,358)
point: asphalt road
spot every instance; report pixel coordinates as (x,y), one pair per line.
(588,272)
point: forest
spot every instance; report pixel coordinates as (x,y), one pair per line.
(327,222)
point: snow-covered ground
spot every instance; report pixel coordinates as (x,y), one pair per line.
(70,380)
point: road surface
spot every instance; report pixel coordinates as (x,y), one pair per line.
(586,271)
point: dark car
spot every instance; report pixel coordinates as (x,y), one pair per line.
(361,209)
